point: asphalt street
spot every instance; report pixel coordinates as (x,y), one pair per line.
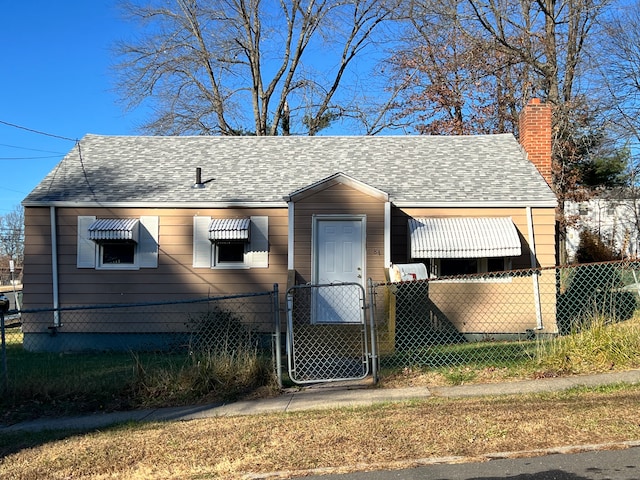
(597,464)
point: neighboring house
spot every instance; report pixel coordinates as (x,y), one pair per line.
(613,215)
(142,219)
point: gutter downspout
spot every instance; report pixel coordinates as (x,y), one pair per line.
(54,266)
(290,232)
(536,275)
(387,235)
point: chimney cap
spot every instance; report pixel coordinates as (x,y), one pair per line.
(534,101)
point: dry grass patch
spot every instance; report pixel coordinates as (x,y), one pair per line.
(598,345)
(343,439)
(417,377)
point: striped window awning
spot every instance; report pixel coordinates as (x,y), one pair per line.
(106,229)
(226,229)
(464,237)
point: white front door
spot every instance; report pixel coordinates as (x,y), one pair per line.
(338,257)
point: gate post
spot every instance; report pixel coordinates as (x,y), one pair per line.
(4,308)
(372,331)
(278,339)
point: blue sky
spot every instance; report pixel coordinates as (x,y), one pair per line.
(54,79)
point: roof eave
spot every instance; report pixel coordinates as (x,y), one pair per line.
(93,204)
(476,204)
(283,204)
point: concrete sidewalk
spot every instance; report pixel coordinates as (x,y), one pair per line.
(322,396)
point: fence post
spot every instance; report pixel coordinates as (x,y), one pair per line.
(5,373)
(278,339)
(372,322)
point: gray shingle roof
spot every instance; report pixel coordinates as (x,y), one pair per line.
(411,169)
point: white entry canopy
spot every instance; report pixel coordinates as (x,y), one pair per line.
(221,229)
(464,237)
(105,229)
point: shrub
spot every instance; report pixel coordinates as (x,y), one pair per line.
(591,290)
(221,332)
(592,249)
(224,362)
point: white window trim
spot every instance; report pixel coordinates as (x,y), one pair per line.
(100,265)
(89,253)
(239,265)
(256,253)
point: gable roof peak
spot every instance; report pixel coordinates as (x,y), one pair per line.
(335,179)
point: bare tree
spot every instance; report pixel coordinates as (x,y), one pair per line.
(620,71)
(551,37)
(469,66)
(233,67)
(12,236)
(621,76)
(452,81)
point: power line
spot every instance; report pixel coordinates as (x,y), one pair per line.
(29,158)
(30,149)
(37,131)
(12,190)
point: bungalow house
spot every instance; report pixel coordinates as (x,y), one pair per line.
(127,219)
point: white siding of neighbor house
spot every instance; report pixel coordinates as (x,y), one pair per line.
(615,221)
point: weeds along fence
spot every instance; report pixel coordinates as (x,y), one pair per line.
(496,319)
(103,347)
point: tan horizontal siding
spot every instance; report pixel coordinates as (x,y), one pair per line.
(43,268)
(338,199)
(37,279)
(497,307)
(174,279)
(485,307)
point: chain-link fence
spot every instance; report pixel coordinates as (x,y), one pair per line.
(327,334)
(496,319)
(54,352)
(488,320)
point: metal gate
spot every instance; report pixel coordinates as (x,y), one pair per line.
(328,338)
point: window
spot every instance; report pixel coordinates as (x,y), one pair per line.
(117,243)
(458,266)
(464,246)
(444,267)
(117,253)
(229,252)
(230,242)
(498,264)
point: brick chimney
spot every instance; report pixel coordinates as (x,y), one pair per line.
(535,136)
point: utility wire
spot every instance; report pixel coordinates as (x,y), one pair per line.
(29,158)
(30,149)
(77,142)
(12,190)
(37,131)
